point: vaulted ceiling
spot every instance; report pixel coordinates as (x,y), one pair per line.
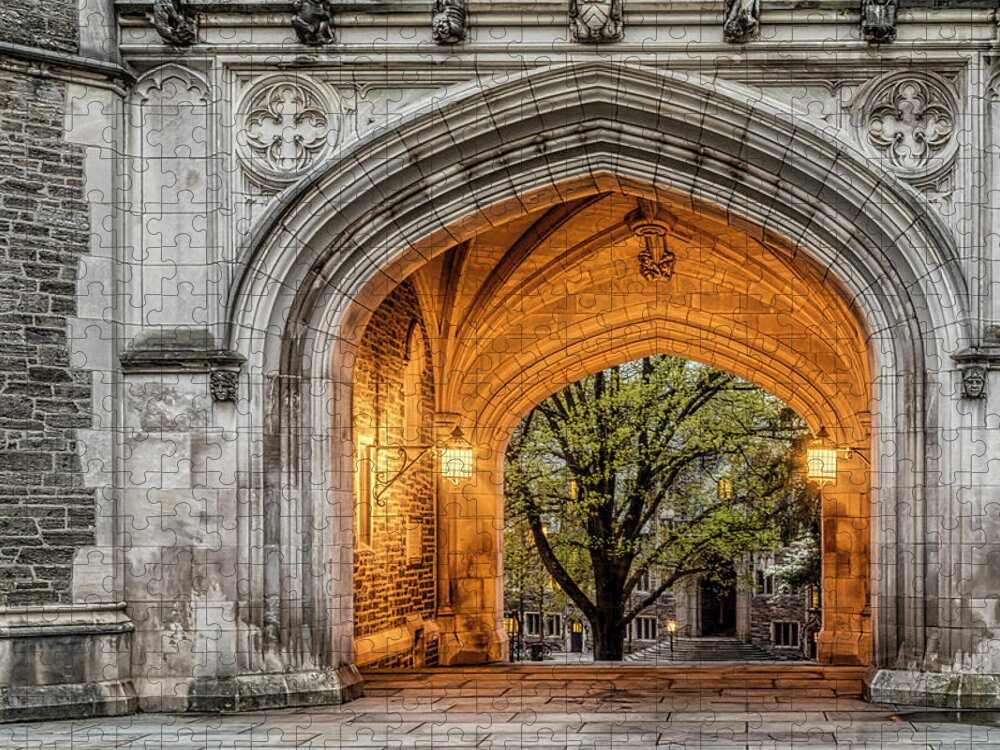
(558,293)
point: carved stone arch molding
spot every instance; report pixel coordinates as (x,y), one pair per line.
(445,172)
(908,121)
(287,124)
(177,83)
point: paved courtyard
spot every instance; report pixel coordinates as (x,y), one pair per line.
(771,706)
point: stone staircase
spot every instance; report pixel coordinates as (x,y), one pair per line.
(700,650)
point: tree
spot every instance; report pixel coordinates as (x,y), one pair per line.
(629,460)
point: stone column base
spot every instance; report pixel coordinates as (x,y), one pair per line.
(933,689)
(252,692)
(65,662)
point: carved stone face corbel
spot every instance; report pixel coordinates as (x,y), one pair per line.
(224,385)
(175,23)
(974,381)
(449,21)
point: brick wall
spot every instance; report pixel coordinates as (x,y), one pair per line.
(45,513)
(393,580)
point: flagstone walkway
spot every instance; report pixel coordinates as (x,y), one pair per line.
(541,707)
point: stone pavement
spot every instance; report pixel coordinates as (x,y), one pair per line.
(541,707)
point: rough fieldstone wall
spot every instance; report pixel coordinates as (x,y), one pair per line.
(767,609)
(51,25)
(392,587)
(45,512)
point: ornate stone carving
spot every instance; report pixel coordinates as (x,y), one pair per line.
(908,122)
(741,20)
(224,385)
(449,20)
(176,24)
(313,22)
(656,259)
(878,20)
(596,20)
(974,381)
(287,126)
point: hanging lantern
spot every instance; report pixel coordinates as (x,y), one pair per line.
(725,488)
(456,458)
(821,458)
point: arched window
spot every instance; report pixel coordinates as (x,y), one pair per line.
(413,370)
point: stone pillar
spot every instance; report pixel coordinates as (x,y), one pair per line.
(472,629)
(846,634)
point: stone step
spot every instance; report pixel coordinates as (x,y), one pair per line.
(568,681)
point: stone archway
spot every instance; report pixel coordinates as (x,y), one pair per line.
(558,293)
(314,275)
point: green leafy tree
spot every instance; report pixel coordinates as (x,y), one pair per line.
(628,461)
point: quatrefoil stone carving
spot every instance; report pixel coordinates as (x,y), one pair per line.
(908,123)
(288,125)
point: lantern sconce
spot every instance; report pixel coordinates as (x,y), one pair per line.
(454,455)
(822,455)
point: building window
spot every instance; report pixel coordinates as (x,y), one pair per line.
(363,481)
(645,583)
(532,623)
(553,626)
(785,634)
(644,628)
(765,583)
(413,370)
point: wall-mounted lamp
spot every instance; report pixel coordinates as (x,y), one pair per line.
(821,458)
(454,455)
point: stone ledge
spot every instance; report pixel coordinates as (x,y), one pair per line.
(258,692)
(83,700)
(932,689)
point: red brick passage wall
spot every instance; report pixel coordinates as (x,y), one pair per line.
(394,576)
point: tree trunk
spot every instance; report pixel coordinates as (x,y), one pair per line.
(609,637)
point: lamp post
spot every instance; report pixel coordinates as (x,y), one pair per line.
(671,630)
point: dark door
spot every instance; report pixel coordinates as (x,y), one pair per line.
(718,609)
(576,638)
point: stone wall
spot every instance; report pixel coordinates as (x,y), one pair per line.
(394,575)
(50,26)
(46,514)
(765,610)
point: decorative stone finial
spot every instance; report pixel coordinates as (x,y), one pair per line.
(175,24)
(313,22)
(974,382)
(449,21)
(741,20)
(224,385)
(596,20)
(878,20)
